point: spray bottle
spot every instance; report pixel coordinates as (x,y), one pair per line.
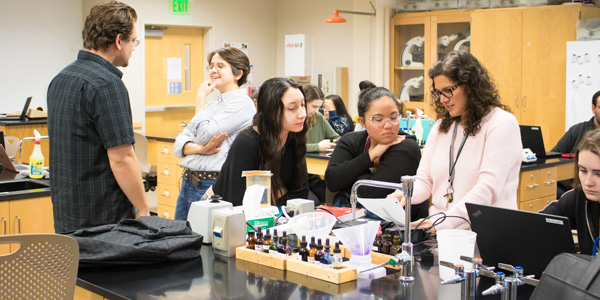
(418,128)
(36,160)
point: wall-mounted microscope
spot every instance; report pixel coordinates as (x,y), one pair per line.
(406,58)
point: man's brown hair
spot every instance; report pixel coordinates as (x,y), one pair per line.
(105,22)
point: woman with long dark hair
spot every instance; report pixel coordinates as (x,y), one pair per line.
(275,142)
(473,152)
(338,116)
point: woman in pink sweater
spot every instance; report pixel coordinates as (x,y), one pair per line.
(475,136)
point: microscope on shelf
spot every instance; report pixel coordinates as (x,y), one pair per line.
(445,40)
(404,258)
(466,42)
(506,286)
(414,82)
(406,58)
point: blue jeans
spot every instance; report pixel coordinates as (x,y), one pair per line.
(189,194)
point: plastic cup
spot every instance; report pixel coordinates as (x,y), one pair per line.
(262,178)
(315,224)
(452,243)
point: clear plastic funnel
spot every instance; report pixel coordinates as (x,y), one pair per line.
(358,239)
(315,224)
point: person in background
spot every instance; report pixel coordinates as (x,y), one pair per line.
(275,142)
(254,96)
(569,141)
(473,152)
(96,177)
(206,140)
(582,204)
(320,137)
(338,117)
(377,153)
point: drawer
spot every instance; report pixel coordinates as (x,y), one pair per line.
(168,173)
(165,153)
(532,205)
(544,201)
(166,211)
(529,185)
(548,182)
(167,194)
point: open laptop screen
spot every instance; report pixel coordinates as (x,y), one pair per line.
(519,238)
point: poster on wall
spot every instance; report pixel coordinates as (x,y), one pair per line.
(296,62)
(174,75)
(244,48)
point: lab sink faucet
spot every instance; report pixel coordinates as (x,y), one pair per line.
(31,138)
(404,258)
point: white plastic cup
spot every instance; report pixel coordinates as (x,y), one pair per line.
(452,243)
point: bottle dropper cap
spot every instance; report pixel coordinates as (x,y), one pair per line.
(319,245)
(337,248)
(303,242)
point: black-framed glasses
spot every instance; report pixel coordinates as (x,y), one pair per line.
(219,66)
(380,121)
(447,92)
(135,42)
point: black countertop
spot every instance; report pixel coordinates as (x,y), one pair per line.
(215,277)
(21,122)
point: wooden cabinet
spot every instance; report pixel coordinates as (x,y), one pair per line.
(33,215)
(26,130)
(524,49)
(168,175)
(418,41)
(537,188)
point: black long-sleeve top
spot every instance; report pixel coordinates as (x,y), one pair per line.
(244,156)
(350,162)
(583,216)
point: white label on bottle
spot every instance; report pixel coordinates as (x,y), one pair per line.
(258,248)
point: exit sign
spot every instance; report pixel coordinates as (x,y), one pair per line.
(180,7)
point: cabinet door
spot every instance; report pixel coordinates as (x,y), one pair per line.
(548,182)
(31,216)
(545,33)
(496,38)
(4,217)
(529,185)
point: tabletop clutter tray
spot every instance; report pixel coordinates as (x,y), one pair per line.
(295,264)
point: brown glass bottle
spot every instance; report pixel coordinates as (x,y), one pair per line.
(268,242)
(377,245)
(387,242)
(319,254)
(313,250)
(250,241)
(282,247)
(258,245)
(303,251)
(396,246)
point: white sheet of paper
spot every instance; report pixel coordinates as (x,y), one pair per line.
(252,197)
(388,209)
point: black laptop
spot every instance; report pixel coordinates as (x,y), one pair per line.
(23,116)
(519,238)
(531,137)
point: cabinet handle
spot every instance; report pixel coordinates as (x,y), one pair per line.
(530,205)
(524,101)
(516,101)
(166,193)
(553,181)
(166,150)
(19,223)
(550,182)
(533,186)
(165,172)
(4,220)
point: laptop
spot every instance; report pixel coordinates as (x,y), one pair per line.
(22,116)
(7,164)
(519,238)
(531,137)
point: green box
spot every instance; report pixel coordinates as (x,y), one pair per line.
(264,223)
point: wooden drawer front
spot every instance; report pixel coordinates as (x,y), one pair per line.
(548,182)
(168,173)
(166,211)
(544,201)
(532,205)
(529,185)
(167,194)
(165,153)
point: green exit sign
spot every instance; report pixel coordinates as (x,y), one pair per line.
(180,7)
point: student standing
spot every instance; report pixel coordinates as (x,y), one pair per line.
(95,173)
(206,140)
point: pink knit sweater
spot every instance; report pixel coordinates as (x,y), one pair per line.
(487,171)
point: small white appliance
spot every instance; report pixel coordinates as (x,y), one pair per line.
(300,206)
(228,231)
(200,216)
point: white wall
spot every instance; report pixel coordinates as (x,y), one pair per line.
(39,38)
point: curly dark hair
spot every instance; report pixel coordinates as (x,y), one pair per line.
(268,118)
(105,22)
(237,59)
(481,92)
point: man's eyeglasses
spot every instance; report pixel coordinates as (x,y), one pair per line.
(218,65)
(135,42)
(447,92)
(380,121)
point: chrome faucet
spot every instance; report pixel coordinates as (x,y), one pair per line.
(468,279)
(405,258)
(31,138)
(507,287)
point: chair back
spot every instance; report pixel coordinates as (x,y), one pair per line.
(44,267)
(141,151)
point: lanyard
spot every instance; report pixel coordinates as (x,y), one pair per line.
(452,164)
